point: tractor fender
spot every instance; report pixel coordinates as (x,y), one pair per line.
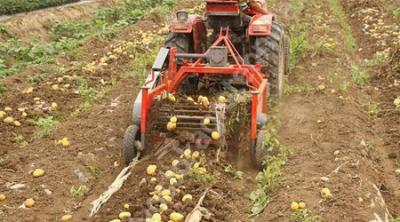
(261,25)
(196,28)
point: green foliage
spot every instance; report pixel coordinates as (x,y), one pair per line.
(79,192)
(299,44)
(2,88)
(69,29)
(87,93)
(16,6)
(359,76)
(236,174)
(94,169)
(201,174)
(303,216)
(269,179)
(341,18)
(372,108)
(3,159)
(259,199)
(43,126)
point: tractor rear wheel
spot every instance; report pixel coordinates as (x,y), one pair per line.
(129,150)
(271,52)
(178,40)
(260,150)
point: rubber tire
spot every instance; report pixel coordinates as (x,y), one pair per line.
(178,40)
(260,151)
(271,52)
(129,152)
(287,43)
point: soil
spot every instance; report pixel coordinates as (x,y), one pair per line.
(333,141)
(37,23)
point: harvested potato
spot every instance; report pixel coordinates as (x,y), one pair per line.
(169,174)
(158,188)
(206,121)
(54,106)
(173,181)
(124,214)
(115,220)
(163,207)
(64,142)
(2,197)
(66,217)
(195,155)
(171,98)
(151,169)
(215,135)
(294,206)
(326,193)
(187,197)
(2,114)
(175,163)
(165,192)
(302,205)
(176,217)
(171,126)
(8,120)
(221,99)
(7,109)
(38,172)
(156,217)
(29,202)
(17,123)
(173,119)
(187,153)
(126,206)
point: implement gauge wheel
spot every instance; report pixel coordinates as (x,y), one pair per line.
(129,149)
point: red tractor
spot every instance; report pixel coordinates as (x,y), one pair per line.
(244,52)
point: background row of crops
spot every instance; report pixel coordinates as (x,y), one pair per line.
(8,7)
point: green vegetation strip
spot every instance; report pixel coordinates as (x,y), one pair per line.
(9,7)
(67,36)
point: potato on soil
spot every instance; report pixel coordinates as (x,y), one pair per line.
(176,217)
(175,163)
(124,214)
(115,220)
(326,193)
(126,206)
(29,202)
(64,142)
(2,114)
(17,123)
(169,174)
(66,217)
(302,205)
(2,197)
(187,197)
(8,120)
(195,155)
(151,169)
(7,109)
(294,206)
(187,153)
(38,172)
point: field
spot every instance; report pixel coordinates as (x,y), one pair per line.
(68,80)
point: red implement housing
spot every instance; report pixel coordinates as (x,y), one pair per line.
(255,80)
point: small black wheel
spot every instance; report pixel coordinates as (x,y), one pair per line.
(260,150)
(129,150)
(271,51)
